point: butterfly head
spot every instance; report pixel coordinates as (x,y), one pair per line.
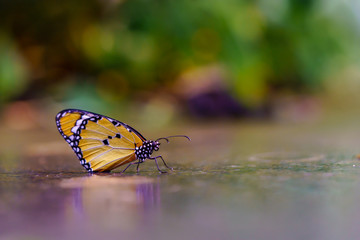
(156,145)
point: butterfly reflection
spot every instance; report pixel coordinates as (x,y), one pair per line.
(111,202)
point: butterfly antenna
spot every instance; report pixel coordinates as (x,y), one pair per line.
(167,140)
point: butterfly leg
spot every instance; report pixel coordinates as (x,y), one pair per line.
(165,163)
(137,168)
(155,158)
(157,165)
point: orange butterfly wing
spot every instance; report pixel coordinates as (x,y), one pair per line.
(101,143)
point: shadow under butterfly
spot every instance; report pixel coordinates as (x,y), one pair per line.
(102,143)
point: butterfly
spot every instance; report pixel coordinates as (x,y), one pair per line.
(102,143)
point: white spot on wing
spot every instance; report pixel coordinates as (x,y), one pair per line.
(79,122)
(74,129)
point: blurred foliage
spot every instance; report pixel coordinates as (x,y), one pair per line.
(121,49)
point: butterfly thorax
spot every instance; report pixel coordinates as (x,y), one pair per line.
(144,151)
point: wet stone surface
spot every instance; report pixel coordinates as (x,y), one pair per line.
(240,181)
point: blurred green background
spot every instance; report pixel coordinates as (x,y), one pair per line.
(204,59)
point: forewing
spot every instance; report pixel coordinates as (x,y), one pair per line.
(101,143)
